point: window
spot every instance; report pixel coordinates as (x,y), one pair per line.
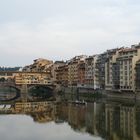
(125,62)
(125,67)
(125,73)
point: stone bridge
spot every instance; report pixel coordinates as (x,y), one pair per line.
(24,81)
(23,90)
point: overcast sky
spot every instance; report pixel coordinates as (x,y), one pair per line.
(61,29)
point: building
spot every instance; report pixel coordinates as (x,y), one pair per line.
(100,66)
(39,65)
(127,60)
(81,73)
(32,78)
(138,75)
(121,68)
(91,72)
(8,76)
(62,75)
(73,73)
(112,73)
(73,69)
(54,69)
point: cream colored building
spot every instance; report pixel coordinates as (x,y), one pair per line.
(32,78)
(39,65)
(62,75)
(6,75)
(127,59)
(54,69)
(91,72)
(112,70)
(120,69)
(73,73)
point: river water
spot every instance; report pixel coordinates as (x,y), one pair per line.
(43,120)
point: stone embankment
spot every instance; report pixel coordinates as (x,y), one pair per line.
(104,94)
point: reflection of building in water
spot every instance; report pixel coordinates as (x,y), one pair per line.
(84,118)
(41,112)
(61,113)
(25,107)
(122,122)
(76,117)
(112,121)
(43,117)
(90,118)
(94,118)
(137,122)
(127,124)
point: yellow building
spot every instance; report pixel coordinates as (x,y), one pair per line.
(62,75)
(73,69)
(127,59)
(55,69)
(73,73)
(120,69)
(39,65)
(32,78)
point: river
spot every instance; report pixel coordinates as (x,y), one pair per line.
(108,120)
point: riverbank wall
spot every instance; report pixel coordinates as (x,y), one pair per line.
(78,93)
(82,93)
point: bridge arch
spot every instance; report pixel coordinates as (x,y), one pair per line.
(41,91)
(17,91)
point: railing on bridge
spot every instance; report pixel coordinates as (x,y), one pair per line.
(27,78)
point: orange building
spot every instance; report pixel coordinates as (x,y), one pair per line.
(62,75)
(81,73)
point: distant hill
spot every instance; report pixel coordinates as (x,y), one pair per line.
(9,68)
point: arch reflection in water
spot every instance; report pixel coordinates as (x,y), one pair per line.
(8,93)
(40,92)
(109,120)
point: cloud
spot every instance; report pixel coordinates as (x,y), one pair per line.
(22,127)
(60,30)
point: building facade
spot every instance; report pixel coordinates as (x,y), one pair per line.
(81,73)
(54,69)
(25,78)
(121,68)
(112,70)
(73,69)
(62,75)
(138,76)
(127,59)
(91,72)
(100,66)
(39,65)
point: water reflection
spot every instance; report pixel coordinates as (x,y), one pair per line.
(8,93)
(108,120)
